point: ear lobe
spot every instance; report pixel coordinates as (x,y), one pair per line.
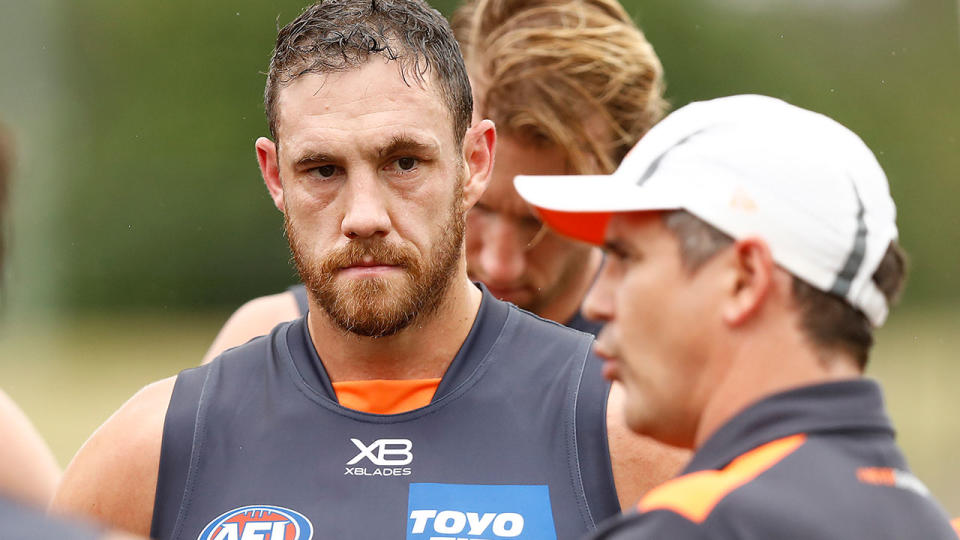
(753,268)
(269,169)
(479,145)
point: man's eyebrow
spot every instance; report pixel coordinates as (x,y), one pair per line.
(311,158)
(405,143)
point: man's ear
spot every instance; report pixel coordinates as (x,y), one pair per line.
(479,145)
(270,170)
(751,269)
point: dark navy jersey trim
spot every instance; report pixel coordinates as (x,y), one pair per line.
(576,477)
(178,454)
(196,450)
(592,440)
(296,350)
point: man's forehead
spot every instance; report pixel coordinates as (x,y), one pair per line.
(377,87)
(384,143)
(633,227)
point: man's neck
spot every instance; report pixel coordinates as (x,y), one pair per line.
(759,368)
(566,305)
(422,350)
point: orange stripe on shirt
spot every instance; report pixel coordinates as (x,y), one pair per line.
(956,526)
(694,495)
(386,396)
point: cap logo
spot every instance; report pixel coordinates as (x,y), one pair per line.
(741,200)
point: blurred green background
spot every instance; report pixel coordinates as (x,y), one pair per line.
(139,219)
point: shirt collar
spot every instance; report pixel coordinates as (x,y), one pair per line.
(829,407)
(486,328)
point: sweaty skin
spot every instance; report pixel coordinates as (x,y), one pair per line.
(28,470)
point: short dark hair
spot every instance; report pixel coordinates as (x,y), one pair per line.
(340,35)
(827,320)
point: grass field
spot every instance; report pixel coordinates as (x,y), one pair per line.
(69,377)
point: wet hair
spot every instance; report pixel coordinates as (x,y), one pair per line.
(828,321)
(341,35)
(577,74)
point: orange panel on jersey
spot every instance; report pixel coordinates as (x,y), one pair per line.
(386,396)
(956,526)
(694,495)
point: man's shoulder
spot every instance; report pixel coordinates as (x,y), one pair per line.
(253,351)
(113,477)
(531,321)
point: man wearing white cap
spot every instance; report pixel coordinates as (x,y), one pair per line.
(751,250)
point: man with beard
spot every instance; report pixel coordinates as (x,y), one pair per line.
(408,399)
(571,87)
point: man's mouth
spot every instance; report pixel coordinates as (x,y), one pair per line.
(611,363)
(368,268)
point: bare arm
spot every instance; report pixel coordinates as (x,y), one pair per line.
(28,470)
(113,478)
(639,463)
(255,318)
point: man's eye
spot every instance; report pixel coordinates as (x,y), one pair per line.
(616,253)
(325,171)
(406,163)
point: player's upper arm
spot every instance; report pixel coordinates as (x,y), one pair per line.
(255,318)
(113,478)
(639,463)
(28,471)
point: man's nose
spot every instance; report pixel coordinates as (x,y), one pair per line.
(599,303)
(366,209)
(502,252)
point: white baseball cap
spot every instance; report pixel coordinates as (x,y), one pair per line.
(751,166)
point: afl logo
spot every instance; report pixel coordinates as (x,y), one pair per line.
(259,522)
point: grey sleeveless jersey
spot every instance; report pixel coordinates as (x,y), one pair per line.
(513,444)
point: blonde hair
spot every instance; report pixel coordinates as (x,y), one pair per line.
(578,74)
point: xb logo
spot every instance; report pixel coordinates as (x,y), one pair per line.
(384,452)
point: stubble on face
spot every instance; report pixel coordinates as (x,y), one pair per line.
(375,306)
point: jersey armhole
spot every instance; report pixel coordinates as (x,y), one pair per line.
(177,448)
(591,440)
